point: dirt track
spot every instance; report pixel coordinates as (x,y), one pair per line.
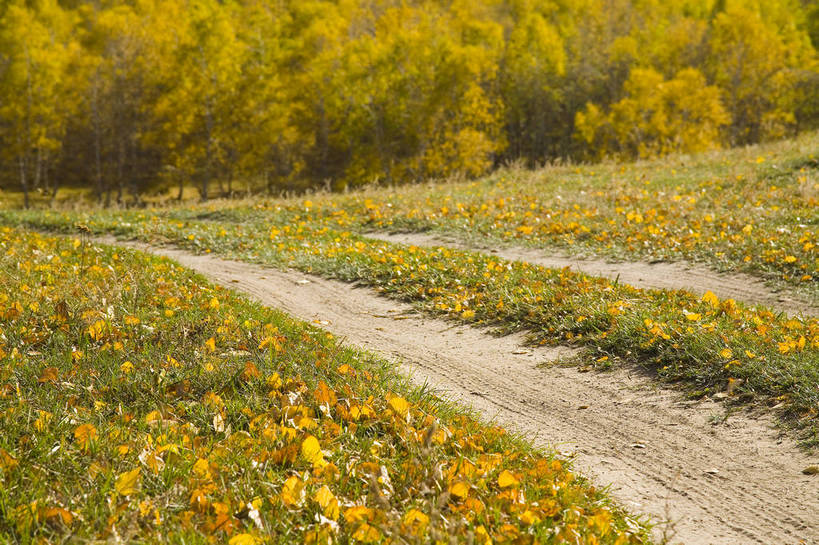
(694,278)
(730,483)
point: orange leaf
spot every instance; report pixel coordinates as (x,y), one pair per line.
(459,490)
(58,514)
(49,374)
(84,434)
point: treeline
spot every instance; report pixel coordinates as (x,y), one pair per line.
(127,95)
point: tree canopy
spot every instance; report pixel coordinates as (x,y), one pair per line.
(125,95)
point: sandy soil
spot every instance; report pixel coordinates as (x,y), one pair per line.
(697,279)
(704,480)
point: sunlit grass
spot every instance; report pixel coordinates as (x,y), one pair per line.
(140,403)
(749,209)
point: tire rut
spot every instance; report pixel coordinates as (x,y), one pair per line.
(694,278)
(736,482)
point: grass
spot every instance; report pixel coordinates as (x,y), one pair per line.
(140,403)
(750,209)
(711,345)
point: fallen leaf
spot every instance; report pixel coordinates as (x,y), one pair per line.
(311,451)
(506,479)
(399,405)
(49,374)
(459,489)
(84,434)
(327,501)
(243,539)
(128,482)
(58,514)
(710,298)
(292,491)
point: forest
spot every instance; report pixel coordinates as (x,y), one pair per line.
(124,97)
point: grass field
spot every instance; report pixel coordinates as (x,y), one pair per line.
(141,403)
(750,210)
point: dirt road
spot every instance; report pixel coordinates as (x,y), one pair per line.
(694,278)
(706,478)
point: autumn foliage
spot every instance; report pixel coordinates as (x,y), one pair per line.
(123,96)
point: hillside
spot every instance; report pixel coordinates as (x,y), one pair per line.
(658,318)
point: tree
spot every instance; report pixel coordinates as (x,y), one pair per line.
(755,66)
(656,117)
(37,52)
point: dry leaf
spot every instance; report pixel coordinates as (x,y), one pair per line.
(128,482)
(506,479)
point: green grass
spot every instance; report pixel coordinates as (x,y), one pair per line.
(139,402)
(750,209)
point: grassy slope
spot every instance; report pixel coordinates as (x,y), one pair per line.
(720,208)
(751,209)
(139,401)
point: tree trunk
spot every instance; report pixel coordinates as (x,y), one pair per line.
(38,169)
(181,186)
(120,170)
(23,180)
(55,186)
(95,115)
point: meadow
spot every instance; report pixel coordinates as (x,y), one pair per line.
(141,403)
(750,210)
(451,162)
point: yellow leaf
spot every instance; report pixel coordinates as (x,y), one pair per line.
(49,374)
(42,422)
(96,330)
(243,539)
(506,479)
(693,316)
(274,381)
(7,461)
(529,517)
(357,513)
(128,482)
(210,344)
(126,367)
(399,405)
(201,468)
(292,491)
(482,536)
(327,501)
(459,489)
(58,514)
(710,298)
(367,534)
(415,521)
(311,451)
